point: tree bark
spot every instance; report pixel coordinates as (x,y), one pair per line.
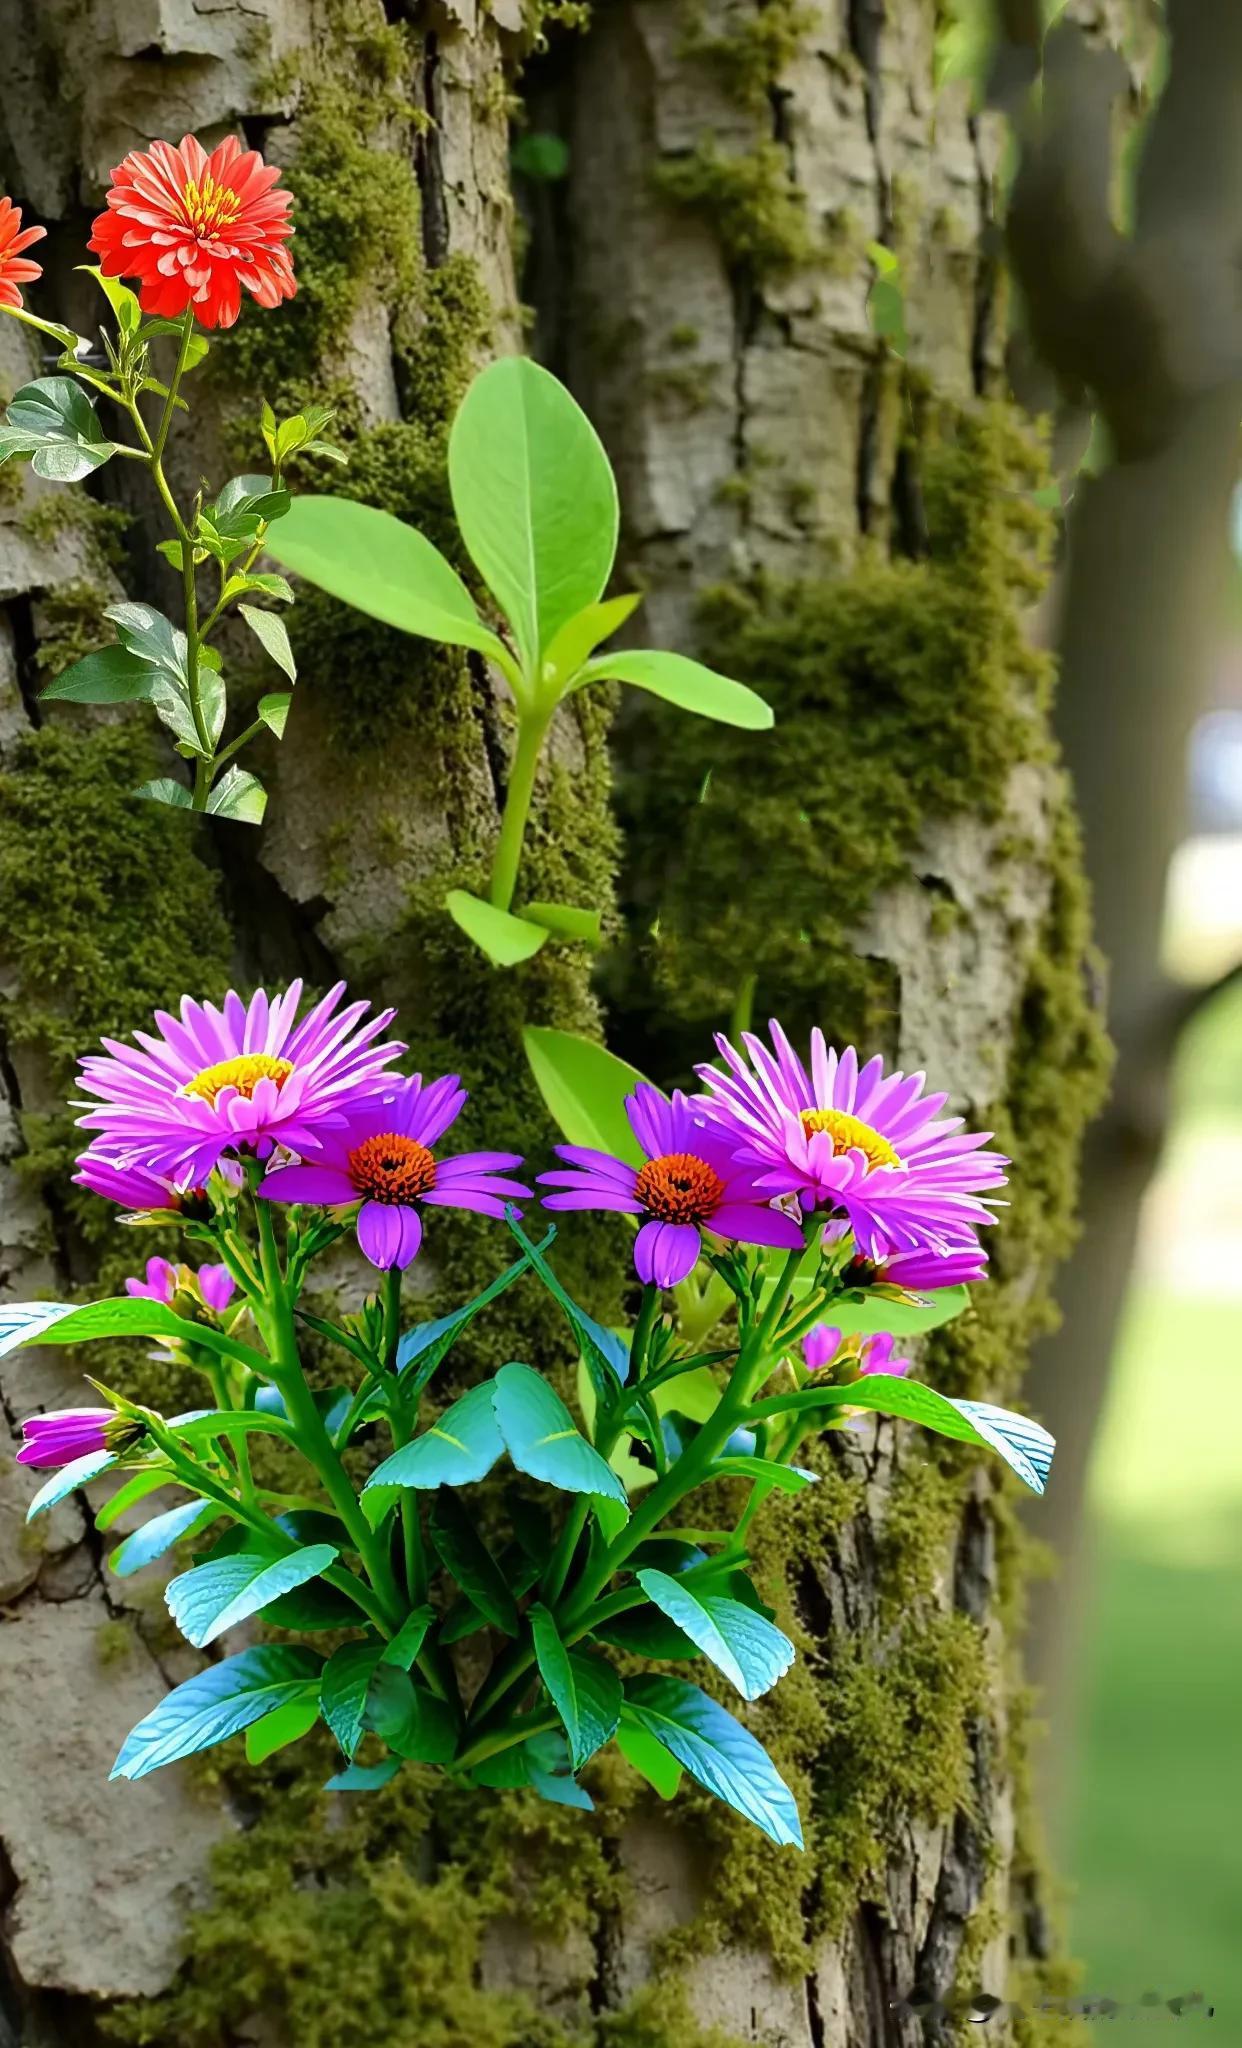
(897,861)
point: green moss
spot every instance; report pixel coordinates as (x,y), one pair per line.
(750,199)
(114,1642)
(750,54)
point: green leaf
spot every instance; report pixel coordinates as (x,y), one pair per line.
(124,304)
(682,682)
(459,1448)
(535,499)
(379,1503)
(129,1495)
(750,1651)
(269,584)
(404,1648)
(467,1559)
(411,1720)
(581,635)
(897,1318)
(240,796)
(343,1692)
(218,1596)
(365,1777)
(217,1703)
(717,1751)
(504,938)
(65,1322)
(584,1086)
(316,1605)
(163,790)
(605,1354)
(274,711)
(272,634)
(423,1347)
(158,1535)
(288,1724)
(68,1479)
(245,504)
(557,1674)
(765,1472)
(376,563)
(598,1690)
(54,422)
(566,921)
(111,676)
(199,346)
(542,1438)
(649,1758)
(1023,1444)
(148,636)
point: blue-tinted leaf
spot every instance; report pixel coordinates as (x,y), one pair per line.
(159,1535)
(1021,1443)
(716,1750)
(542,1438)
(69,1478)
(740,1642)
(365,1777)
(219,1595)
(217,1703)
(462,1446)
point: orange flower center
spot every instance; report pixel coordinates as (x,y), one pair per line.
(679,1187)
(209,207)
(850,1134)
(392,1168)
(243,1073)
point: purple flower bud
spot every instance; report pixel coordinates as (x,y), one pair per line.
(160,1283)
(64,1435)
(217,1287)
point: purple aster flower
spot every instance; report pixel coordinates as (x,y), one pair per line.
(382,1156)
(857,1143)
(160,1283)
(132,1186)
(243,1077)
(825,1346)
(217,1287)
(962,1265)
(66,1434)
(692,1181)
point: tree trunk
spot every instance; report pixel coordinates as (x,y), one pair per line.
(897,861)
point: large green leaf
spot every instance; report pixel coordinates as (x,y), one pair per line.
(111,676)
(506,939)
(411,1720)
(343,1691)
(217,1703)
(716,1750)
(584,1086)
(682,682)
(460,1447)
(535,499)
(54,422)
(159,1535)
(465,1556)
(743,1644)
(376,563)
(542,1438)
(219,1595)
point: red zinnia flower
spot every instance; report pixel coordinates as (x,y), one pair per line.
(193,229)
(14,270)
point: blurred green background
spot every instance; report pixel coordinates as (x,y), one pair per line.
(1154,1847)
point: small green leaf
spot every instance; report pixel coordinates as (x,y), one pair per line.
(566,921)
(163,790)
(404,1648)
(124,304)
(272,634)
(288,1724)
(266,582)
(218,1596)
(129,1495)
(365,1777)
(716,1750)
(198,347)
(535,498)
(557,1674)
(581,635)
(598,1690)
(216,1703)
(649,1758)
(159,1534)
(467,1559)
(240,796)
(682,682)
(584,1086)
(343,1692)
(66,1322)
(764,1471)
(504,938)
(423,1348)
(543,1439)
(459,1448)
(541,156)
(274,711)
(743,1644)
(111,676)
(376,563)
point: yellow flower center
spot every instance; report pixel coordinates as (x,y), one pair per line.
(243,1073)
(850,1134)
(209,207)
(392,1168)
(679,1187)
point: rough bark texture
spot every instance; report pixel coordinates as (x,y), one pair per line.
(897,861)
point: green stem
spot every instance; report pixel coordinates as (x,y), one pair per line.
(313,1437)
(203,766)
(532,725)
